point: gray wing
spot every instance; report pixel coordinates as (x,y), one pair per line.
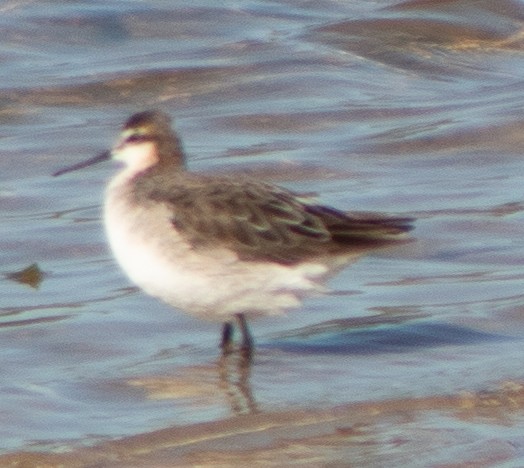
(262,222)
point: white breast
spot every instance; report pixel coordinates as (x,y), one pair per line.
(213,284)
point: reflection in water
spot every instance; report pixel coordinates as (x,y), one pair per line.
(234,373)
(375,335)
(205,385)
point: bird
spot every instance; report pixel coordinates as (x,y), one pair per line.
(225,248)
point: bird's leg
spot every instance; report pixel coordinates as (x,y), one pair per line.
(227,338)
(247,340)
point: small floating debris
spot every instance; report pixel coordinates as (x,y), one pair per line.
(32,276)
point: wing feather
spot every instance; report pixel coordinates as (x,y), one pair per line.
(262,222)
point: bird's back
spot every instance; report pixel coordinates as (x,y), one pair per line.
(263,222)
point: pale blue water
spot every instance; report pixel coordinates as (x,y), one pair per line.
(412,108)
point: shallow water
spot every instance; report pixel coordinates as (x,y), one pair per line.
(410,107)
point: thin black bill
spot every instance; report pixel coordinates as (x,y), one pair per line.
(99,158)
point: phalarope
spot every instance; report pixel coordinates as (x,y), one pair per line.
(223,247)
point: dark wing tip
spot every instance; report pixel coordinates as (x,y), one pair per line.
(364,227)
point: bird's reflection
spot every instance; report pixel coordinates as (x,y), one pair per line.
(234,372)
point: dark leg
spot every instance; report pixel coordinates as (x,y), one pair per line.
(247,340)
(227,338)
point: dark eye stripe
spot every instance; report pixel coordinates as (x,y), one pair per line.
(136,138)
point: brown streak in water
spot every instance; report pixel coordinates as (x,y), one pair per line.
(24,323)
(506,209)
(111,89)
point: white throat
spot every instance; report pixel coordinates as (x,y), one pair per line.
(137,156)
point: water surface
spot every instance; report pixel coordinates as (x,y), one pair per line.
(413,108)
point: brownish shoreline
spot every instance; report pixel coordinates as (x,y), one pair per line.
(311,437)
